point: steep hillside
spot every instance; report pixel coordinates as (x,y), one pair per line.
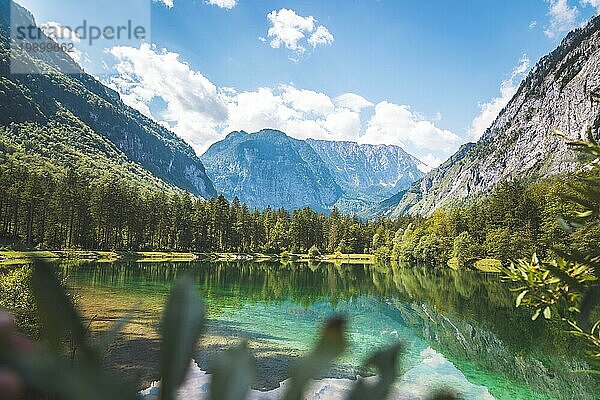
(270,169)
(368,173)
(561,92)
(74,120)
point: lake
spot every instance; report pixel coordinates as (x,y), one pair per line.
(458,328)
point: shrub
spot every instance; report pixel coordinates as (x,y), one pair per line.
(314,252)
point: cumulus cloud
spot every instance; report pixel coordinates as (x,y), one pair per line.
(489,111)
(321,36)
(193,105)
(168,3)
(228,4)
(163,87)
(399,125)
(353,102)
(308,101)
(593,3)
(562,17)
(294,31)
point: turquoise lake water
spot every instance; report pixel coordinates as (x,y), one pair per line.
(459,329)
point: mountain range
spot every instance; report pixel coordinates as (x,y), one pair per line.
(270,169)
(75,121)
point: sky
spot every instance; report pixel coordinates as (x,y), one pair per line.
(425,75)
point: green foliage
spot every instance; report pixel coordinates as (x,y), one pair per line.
(73,209)
(567,286)
(16,297)
(555,284)
(314,252)
(465,249)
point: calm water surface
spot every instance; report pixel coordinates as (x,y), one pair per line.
(459,328)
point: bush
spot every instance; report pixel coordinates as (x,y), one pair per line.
(314,252)
(383,253)
(465,249)
(16,297)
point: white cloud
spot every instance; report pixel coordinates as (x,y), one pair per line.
(194,106)
(562,17)
(161,86)
(593,3)
(398,125)
(168,3)
(308,101)
(321,36)
(353,102)
(294,31)
(489,111)
(532,24)
(228,4)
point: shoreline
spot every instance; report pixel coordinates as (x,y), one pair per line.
(10,257)
(19,257)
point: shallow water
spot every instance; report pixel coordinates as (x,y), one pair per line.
(459,329)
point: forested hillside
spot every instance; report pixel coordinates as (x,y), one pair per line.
(75,121)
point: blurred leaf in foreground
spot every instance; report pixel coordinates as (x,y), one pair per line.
(181,326)
(233,374)
(330,346)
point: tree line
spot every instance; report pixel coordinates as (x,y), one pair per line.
(69,211)
(514,221)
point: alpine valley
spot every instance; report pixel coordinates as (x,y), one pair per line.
(280,264)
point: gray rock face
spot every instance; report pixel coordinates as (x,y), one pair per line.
(368,173)
(561,92)
(269,169)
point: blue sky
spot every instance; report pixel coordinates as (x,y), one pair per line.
(427,75)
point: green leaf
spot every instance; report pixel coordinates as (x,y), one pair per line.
(233,373)
(330,346)
(181,326)
(520,297)
(60,320)
(386,363)
(536,314)
(547,313)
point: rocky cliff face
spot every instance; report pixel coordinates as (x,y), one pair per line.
(368,173)
(269,169)
(562,91)
(37,101)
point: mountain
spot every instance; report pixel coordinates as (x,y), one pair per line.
(368,173)
(74,120)
(270,169)
(562,91)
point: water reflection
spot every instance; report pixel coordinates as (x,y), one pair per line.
(468,317)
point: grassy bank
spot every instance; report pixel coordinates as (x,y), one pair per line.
(19,257)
